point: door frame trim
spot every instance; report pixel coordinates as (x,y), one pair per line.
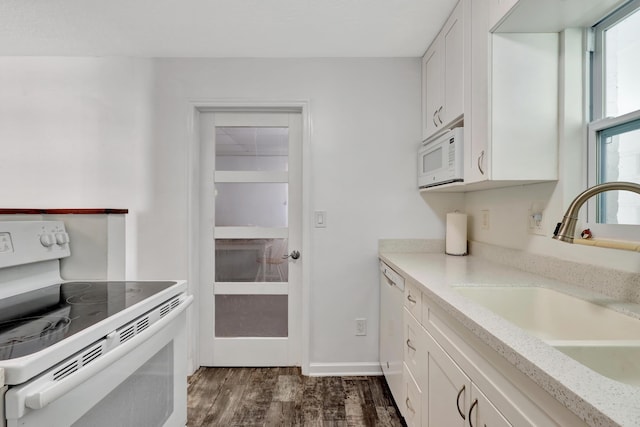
(192,170)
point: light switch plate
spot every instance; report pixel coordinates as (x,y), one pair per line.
(320,219)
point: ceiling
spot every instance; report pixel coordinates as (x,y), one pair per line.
(220,28)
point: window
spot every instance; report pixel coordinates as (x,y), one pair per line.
(614,132)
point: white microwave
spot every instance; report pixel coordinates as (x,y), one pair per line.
(440,160)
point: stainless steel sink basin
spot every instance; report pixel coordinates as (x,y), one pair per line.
(602,339)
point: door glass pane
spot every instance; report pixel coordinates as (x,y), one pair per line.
(251,260)
(252,204)
(252,149)
(619,160)
(251,316)
(622,50)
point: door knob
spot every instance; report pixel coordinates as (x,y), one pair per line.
(292,255)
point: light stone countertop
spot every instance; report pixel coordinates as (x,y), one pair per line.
(598,400)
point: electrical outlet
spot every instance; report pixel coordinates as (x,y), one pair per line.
(361,326)
(484,219)
(535,217)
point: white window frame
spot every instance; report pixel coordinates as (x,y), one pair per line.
(598,123)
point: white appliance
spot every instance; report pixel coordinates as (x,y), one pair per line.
(440,161)
(86,353)
(391,333)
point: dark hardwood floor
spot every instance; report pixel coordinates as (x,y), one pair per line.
(283,397)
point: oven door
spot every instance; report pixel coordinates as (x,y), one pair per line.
(145,385)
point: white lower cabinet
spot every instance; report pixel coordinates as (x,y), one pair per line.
(482,413)
(448,382)
(448,389)
(449,377)
(415,370)
(410,407)
(454,400)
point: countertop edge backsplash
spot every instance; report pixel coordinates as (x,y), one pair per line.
(621,285)
(411,245)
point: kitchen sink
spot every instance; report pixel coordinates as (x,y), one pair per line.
(598,337)
(618,361)
(552,315)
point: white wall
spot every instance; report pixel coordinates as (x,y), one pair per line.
(95,132)
(75,133)
(365,119)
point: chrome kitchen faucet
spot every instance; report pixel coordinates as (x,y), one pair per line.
(566,229)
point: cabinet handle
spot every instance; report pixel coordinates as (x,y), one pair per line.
(480,161)
(458,403)
(411,300)
(408,403)
(473,405)
(434,118)
(439,118)
(409,345)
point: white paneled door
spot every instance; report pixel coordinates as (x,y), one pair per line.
(251,260)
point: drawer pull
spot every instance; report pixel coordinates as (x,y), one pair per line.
(473,405)
(458,403)
(410,346)
(411,300)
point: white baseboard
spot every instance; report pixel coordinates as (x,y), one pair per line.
(344,369)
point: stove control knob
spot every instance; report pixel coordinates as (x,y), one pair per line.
(47,240)
(62,238)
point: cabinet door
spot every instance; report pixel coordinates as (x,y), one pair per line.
(453,70)
(482,413)
(432,91)
(448,391)
(391,335)
(476,123)
(498,9)
(415,350)
(410,406)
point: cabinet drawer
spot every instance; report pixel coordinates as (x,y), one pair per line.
(410,407)
(413,299)
(415,349)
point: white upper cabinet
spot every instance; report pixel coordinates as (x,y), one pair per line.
(547,16)
(509,95)
(519,145)
(432,90)
(498,9)
(442,77)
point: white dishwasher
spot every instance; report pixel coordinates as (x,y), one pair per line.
(391,333)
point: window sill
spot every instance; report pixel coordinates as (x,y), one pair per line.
(611,244)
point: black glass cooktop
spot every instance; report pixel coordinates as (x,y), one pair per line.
(34,320)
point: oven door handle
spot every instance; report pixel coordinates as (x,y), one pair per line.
(51,392)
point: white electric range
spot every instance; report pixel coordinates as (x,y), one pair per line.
(86,353)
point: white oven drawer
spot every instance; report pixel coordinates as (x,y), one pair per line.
(145,385)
